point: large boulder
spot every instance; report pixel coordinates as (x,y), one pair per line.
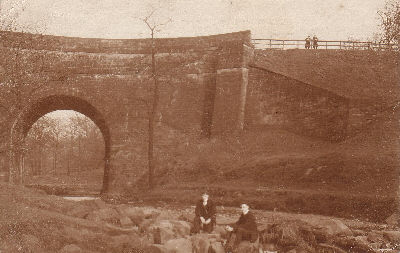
(376,237)
(349,243)
(226,220)
(162,234)
(201,243)
(77,235)
(109,215)
(136,214)
(288,235)
(181,228)
(269,247)
(220,230)
(181,245)
(247,247)
(205,243)
(392,236)
(165,230)
(361,239)
(125,222)
(216,247)
(151,213)
(121,240)
(147,212)
(189,217)
(80,211)
(146,226)
(139,215)
(329,226)
(156,248)
(71,248)
(393,220)
(126,242)
(297,250)
(100,204)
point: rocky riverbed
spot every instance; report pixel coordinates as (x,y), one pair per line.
(32,221)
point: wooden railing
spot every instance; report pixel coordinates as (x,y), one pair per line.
(323,44)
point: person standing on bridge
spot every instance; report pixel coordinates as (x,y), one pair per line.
(308,42)
(315,42)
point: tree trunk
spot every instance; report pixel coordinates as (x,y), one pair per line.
(54,162)
(79,154)
(68,159)
(152,116)
(55,156)
(71,150)
(23,169)
(40,160)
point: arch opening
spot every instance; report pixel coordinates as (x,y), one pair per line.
(34,113)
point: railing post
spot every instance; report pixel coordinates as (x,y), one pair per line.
(270,43)
(283,44)
(326,45)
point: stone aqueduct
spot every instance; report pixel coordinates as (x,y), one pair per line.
(209,88)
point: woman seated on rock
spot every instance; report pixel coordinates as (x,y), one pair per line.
(205,215)
(245,229)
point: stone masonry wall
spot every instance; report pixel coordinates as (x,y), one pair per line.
(275,100)
(210,90)
(111,80)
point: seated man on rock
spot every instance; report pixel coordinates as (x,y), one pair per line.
(245,229)
(205,215)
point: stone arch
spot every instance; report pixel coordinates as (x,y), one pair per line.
(33,112)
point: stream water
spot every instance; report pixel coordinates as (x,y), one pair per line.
(79,198)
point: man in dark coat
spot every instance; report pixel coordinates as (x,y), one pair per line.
(308,42)
(315,42)
(245,229)
(205,215)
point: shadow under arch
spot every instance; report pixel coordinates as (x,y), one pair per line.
(33,112)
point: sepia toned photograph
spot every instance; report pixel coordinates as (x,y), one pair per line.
(208,126)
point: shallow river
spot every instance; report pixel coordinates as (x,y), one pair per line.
(77,198)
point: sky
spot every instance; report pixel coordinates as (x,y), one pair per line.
(279,19)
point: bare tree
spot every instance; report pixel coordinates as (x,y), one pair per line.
(89,142)
(390,21)
(23,76)
(36,142)
(9,14)
(53,144)
(154,27)
(40,143)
